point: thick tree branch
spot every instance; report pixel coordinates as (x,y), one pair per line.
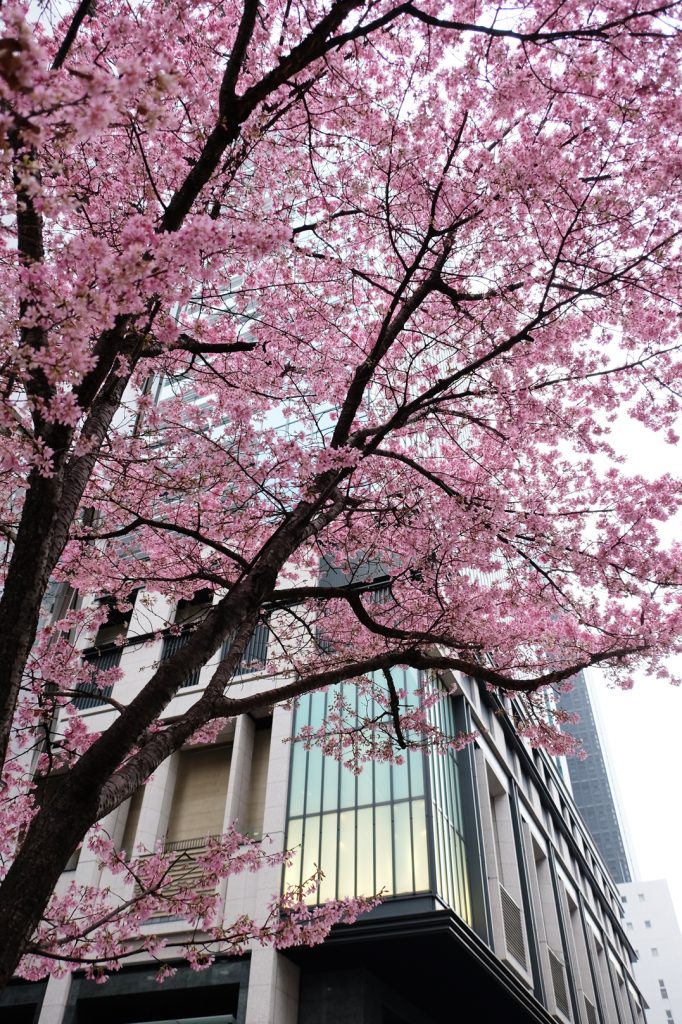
(395,709)
(160,524)
(239,108)
(84,8)
(185,343)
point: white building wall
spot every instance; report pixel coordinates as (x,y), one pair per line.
(652,927)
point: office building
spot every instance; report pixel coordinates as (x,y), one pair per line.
(652,927)
(496,899)
(590,783)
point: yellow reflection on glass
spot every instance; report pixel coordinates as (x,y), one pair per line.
(346,854)
(465,908)
(403,847)
(383,849)
(420,848)
(328,857)
(365,859)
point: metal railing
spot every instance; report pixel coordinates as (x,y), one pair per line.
(102,658)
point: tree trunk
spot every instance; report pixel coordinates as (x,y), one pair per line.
(51,839)
(27,579)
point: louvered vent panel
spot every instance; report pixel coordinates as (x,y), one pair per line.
(513,927)
(186,872)
(590,1012)
(172,643)
(559,982)
(255,653)
(99,661)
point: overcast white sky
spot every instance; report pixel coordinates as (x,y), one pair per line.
(642,729)
(644,751)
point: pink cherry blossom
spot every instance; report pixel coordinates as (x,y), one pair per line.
(370,288)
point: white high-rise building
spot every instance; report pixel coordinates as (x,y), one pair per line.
(652,928)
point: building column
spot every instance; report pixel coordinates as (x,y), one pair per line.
(156,804)
(273,979)
(594,969)
(54,1003)
(563,932)
(273,989)
(240,771)
(526,900)
(88,870)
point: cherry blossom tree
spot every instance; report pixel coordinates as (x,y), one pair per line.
(357,284)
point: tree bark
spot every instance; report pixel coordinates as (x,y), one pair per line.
(52,837)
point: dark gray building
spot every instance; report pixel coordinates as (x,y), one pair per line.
(591,786)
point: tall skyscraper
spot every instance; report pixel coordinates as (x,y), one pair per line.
(591,786)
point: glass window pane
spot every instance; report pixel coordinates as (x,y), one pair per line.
(416,763)
(420,846)
(382,781)
(402,845)
(297,782)
(328,856)
(464,909)
(346,854)
(365,795)
(292,873)
(365,853)
(440,855)
(347,787)
(317,709)
(330,795)
(399,774)
(383,849)
(314,781)
(310,856)
(378,838)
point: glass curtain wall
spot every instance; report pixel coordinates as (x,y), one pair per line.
(394,828)
(450,852)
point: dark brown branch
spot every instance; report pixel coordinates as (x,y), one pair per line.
(228,707)
(187,344)
(239,108)
(390,330)
(227,95)
(603,31)
(352,595)
(156,524)
(395,709)
(80,13)
(600,32)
